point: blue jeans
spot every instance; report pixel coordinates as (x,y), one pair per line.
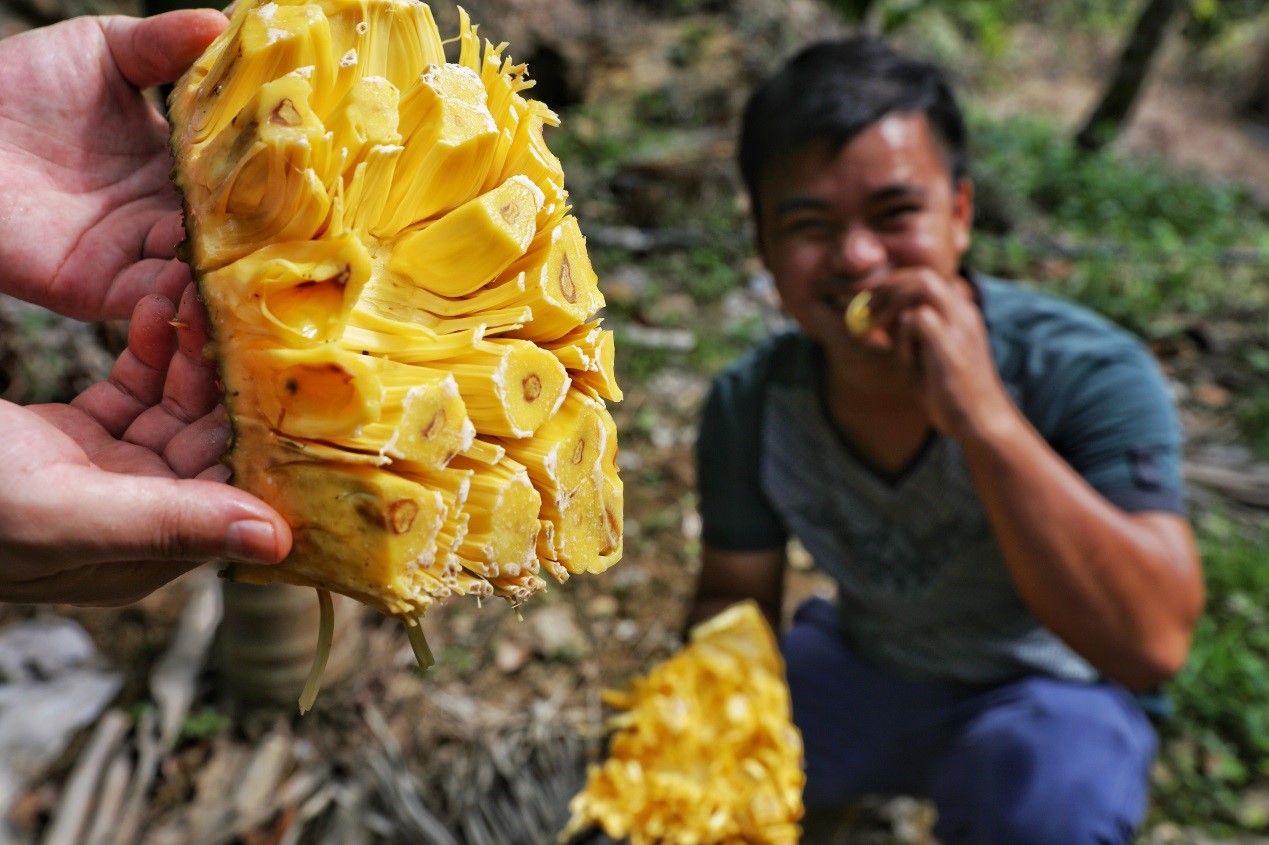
(1036,761)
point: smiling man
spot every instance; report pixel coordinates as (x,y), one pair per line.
(990,475)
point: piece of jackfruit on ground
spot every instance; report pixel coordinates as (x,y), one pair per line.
(402,305)
(703,749)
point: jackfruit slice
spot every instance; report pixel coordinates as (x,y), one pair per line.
(561,286)
(703,750)
(404,313)
(467,248)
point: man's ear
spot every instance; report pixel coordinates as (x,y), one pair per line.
(962,214)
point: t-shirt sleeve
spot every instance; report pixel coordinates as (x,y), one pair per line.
(736,514)
(1118,428)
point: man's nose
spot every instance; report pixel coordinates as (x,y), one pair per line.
(858,252)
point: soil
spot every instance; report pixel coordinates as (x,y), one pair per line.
(501,672)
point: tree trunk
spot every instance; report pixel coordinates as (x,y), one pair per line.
(1129,75)
(1256,106)
(265,644)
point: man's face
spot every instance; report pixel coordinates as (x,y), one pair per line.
(836,223)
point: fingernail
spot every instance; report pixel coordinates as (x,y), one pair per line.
(253,541)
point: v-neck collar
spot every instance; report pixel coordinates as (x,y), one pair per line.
(891,478)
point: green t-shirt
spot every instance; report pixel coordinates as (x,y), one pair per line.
(922,587)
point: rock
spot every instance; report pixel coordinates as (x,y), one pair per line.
(603,606)
(510,656)
(556,633)
(54,690)
(1211,395)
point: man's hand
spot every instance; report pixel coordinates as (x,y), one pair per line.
(934,328)
(106,499)
(89,219)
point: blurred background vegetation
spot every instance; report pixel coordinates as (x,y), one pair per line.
(1120,150)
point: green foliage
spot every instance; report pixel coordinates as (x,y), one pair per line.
(987,23)
(204,724)
(1207,20)
(1253,418)
(1147,206)
(637,364)
(1219,741)
(1149,246)
(585,144)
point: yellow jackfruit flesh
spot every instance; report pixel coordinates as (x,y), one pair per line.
(703,750)
(402,305)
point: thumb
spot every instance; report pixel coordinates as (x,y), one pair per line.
(156,50)
(126,517)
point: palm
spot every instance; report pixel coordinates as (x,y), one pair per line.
(91,218)
(65,446)
(105,499)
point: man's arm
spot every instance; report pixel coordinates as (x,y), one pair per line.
(730,577)
(1125,590)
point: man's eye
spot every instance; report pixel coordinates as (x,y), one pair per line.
(896,216)
(808,226)
(897,211)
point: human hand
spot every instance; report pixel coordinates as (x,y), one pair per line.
(937,334)
(89,219)
(104,500)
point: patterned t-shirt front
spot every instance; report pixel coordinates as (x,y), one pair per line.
(922,587)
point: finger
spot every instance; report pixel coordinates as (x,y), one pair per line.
(122,457)
(151,51)
(155,428)
(218,473)
(150,337)
(195,331)
(164,236)
(905,342)
(127,518)
(192,383)
(908,289)
(198,447)
(166,277)
(190,389)
(137,377)
(938,347)
(99,446)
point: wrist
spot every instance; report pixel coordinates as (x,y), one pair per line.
(992,426)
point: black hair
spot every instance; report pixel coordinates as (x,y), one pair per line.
(830,91)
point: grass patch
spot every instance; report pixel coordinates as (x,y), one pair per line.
(1218,744)
(1133,238)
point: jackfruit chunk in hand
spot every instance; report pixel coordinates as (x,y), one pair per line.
(403,309)
(340,513)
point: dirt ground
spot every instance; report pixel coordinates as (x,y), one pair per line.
(385,736)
